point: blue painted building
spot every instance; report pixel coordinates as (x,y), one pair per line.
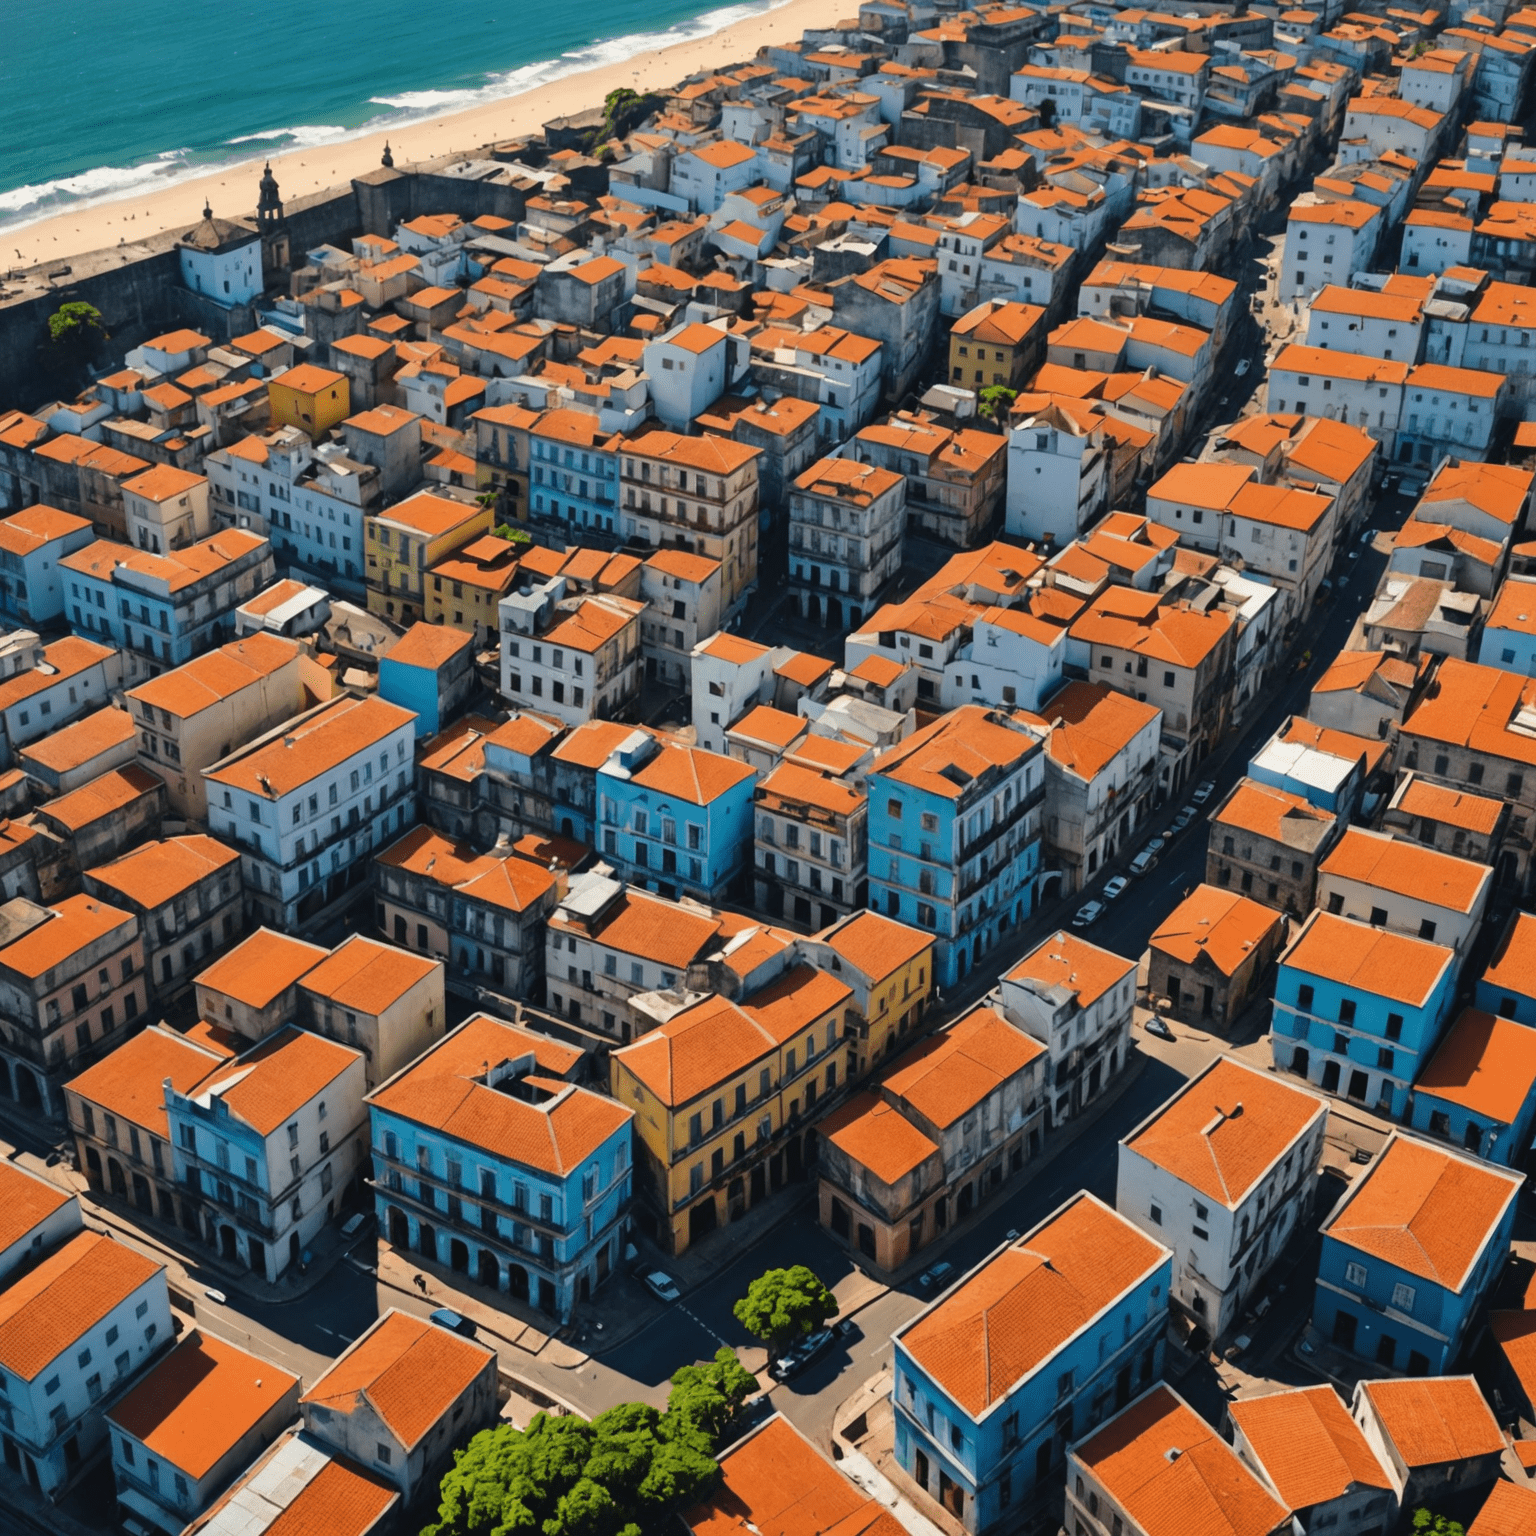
(488,1161)
(573,474)
(675,820)
(1479,1089)
(1359,1009)
(1509,637)
(1507,988)
(430,669)
(1409,1254)
(954,832)
(32,542)
(1049,1337)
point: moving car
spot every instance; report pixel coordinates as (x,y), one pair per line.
(1088,914)
(936,1278)
(798,1356)
(662,1286)
(1243,366)
(1155,1026)
(446,1318)
(1113,888)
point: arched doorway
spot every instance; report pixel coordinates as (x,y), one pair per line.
(1301,1060)
(115,1180)
(517,1282)
(426,1241)
(229,1244)
(93,1167)
(398,1227)
(490,1270)
(141,1195)
(257,1254)
(458,1255)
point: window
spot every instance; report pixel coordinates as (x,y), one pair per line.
(1402,1297)
(382,1454)
(1304,997)
(1354,1274)
(1155,1211)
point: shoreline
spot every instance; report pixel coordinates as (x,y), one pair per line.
(301,171)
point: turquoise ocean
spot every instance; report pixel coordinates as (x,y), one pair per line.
(101,98)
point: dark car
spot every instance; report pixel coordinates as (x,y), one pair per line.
(446,1318)
(798,1356)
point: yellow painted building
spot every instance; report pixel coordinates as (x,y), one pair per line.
(407,540)
(725,1097)
(465,588)
(310,398)
(889,967)
(501,455)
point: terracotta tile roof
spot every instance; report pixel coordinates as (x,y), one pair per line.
(1137,621)
(1513,966)
(1203,485)
(1225,1129)
(427,515)
(1310,1448)
(948,1075)
(797,999)
(769,726)
(775,1483)
(1064,960)
(75,923)
(1095,724)
(79,743)
(368,976)
(429,645)
(1008,1318)
(1454,807)
(104,796)
(1409,869)
(638,924)
(876,946)
(67,657)
(1435,1419)
(1223,925)
(803,668)
(1485,1064)
(445,1091)
(1509,1511)
(1269,812)
(34,526)
(796,787)
(156,873)
(875,1135)
(51,1306)
(408,1371)
(340,1499)
(1390,965)
(514,884)
(198,1403)
(273,1081)
(947,757)
(285,763)
(1424,1209)
(26,1200)
(696,1050)
(1174,1475)
(692,774)
(130,1081)
(1343,744)
(256,970)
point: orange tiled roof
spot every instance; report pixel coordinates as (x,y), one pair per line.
(878,1137)
(155,873)
(1423,874)
(874,945)
(1064,960)
(1008,1318)
(74,923)
(368,976)
(271,1082)
(1225,926)
(1485,1064)
(288,762)
(1513,966)
(407,1370)
(638,924)
(1174,1475)
(1435,1419)
(1425,1210)
(1309,1447)
(947,1076)
(130,1081)
(200,1402)
(1510,1510)
(25,1201)
(1225,1129)
(257,969)
(945,758)
(1373,959)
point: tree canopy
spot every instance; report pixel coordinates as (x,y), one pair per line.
(76,327)
(1426,1523)
(621,1474)
(783,1305)
(996,400)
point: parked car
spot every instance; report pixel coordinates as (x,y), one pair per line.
(1156,1026)
(662,1286)
(1185,819)
(1243,366)
(1204,792)
(798,1356)
(1147,858)
(1112,888)
(1088,914)
(446,1318)
(936,1277)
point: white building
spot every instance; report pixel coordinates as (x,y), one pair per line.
(77,1328)
(222,260)
(1363,321)
(1076,1000)
(690,367)
(576,658)
(1326,243)
(728,676)
(38,1217)
(166,508)
(309,804)
(1223,1175)
(1058,477)
(1363,391)
(707,173)
(1012,660)
(266,1146)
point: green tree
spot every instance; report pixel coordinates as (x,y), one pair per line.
(1426,1523)
(783,1305)
(996,400)
(709,1397)
(76,328)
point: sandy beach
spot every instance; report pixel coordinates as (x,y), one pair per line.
(231,190)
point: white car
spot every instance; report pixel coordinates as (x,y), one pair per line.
(1088,914)
(1146,858)
(1204,792)
(662,1286)
(1113,888)
(1242,367)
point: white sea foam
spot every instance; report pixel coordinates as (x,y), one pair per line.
(25,205)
